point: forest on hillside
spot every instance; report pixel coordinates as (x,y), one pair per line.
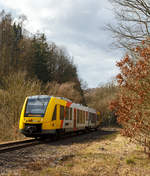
(33,56)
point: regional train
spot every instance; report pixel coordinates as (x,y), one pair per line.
(44,115)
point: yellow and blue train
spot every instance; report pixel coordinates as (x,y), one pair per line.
(44,115)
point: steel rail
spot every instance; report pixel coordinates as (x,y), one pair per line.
(11,146)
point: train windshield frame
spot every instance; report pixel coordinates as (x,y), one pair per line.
(36,106)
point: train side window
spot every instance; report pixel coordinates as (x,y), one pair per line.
(78,118)
(83,114)
(70,113)
(93,117)
(67,113)
(61,113)
(87,116)
(54,114)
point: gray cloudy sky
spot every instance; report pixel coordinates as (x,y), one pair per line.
(77,25)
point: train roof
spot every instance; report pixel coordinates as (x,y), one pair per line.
(78,106)
(39,96)
(73,105)
(63,98)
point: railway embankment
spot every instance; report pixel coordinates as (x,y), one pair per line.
(100,153)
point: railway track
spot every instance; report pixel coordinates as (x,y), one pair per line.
(11,146)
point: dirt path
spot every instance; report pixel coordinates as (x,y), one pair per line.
(101,153)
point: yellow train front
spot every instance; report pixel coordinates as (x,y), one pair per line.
(44,115)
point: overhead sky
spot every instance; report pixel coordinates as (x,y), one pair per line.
(77,25)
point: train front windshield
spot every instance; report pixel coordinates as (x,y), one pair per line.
(36,105)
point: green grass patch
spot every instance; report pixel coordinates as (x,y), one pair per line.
(130,161)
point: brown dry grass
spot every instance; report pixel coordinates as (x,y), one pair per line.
(110,155)
(12,95)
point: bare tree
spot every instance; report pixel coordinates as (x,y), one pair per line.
(133,22)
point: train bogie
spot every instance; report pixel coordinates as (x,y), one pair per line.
(44,115)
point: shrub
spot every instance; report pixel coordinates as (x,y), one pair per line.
(132,105)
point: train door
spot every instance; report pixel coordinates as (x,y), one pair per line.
(54,117)
(74,120)
(58,116)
